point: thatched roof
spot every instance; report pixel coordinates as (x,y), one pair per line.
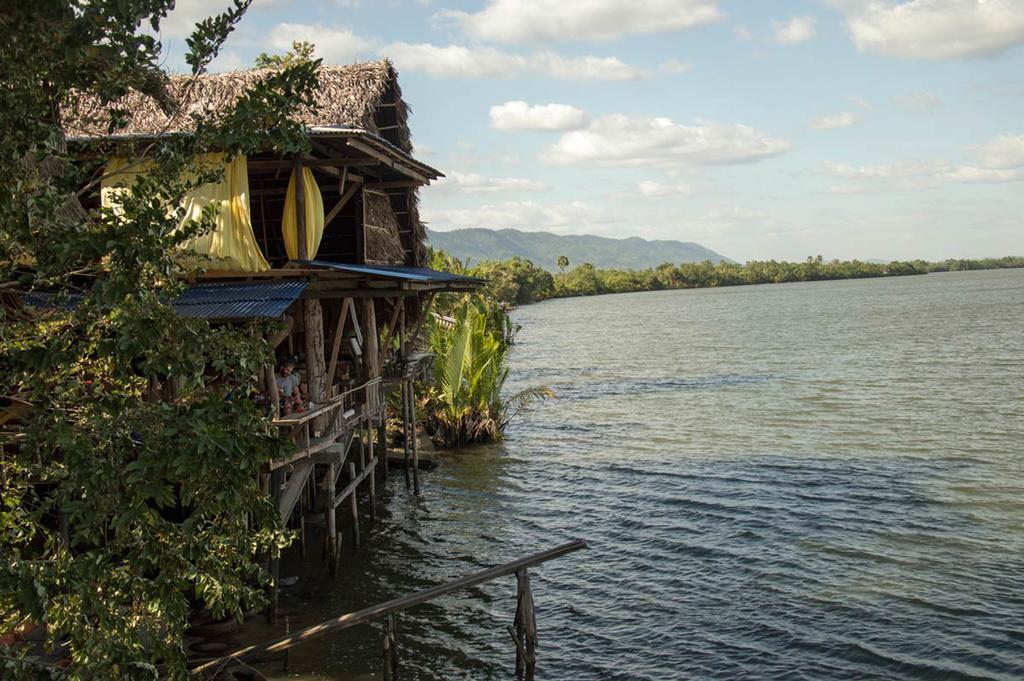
(350,95)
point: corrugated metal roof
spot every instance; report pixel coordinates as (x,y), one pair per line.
(423,275)
(255,299)
(267,299)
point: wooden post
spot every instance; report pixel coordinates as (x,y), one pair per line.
(406,451)
(330,521)
(415,439)
(373,471)
(300,210)
(275,399)
(276,479)
(526,628)
(391,647)
(354,505)
(316,372)
(382,445)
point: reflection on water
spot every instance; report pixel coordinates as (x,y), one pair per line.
(796,481)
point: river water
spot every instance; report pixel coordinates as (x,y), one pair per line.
(798,481)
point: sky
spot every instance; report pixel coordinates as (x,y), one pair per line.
(871,129)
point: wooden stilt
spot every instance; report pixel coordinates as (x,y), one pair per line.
(406,452)
(276,480)
(415,439)
(275,399)
(330,520)
(526,628)
(373,473)
(354,505)
(391,647)
(382,447)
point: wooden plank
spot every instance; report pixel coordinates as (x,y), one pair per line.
(293,489)
(395,605)
(353,484)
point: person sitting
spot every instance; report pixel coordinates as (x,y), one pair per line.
(288,381)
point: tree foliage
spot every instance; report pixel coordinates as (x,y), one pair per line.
(120,512)
(517,281)
(467,405)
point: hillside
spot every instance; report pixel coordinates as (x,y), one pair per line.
(543,248)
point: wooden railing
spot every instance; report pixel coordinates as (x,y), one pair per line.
(524,630)
(337,408)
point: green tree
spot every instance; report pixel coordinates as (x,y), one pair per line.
(119,512)
(562,262)
(302,50)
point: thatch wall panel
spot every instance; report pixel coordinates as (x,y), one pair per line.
(383,242)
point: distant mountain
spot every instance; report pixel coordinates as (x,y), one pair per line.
(543,248)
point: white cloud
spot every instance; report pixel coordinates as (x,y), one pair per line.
(1005,151)
(472,183)
(336,44)
(934,29)
(528,215)
(742,33)
(859,101)
(675,67)
(620,140)
(652,189)
(843,120)
(181,21)
(519,115)
(794,31)
(917,101)
(228,61)
(512,21)
(913,175)
(457,60)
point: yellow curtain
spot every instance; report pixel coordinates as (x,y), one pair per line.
(231,244)
(314,204)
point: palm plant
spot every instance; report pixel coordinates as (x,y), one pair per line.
(466,405)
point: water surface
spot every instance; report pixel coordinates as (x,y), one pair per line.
(799,481)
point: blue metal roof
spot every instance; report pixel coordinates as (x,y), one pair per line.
(247,300)
(422,275)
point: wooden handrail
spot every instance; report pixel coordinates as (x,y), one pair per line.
(393,606)
(324,407)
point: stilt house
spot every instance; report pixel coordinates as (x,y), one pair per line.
(331,244)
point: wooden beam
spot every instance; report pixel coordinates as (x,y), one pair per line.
(345,198)
(339,331)
(395,184)
(315,163)
(387,160)
(391,329)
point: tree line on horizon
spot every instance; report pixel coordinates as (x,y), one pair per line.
(518,281)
